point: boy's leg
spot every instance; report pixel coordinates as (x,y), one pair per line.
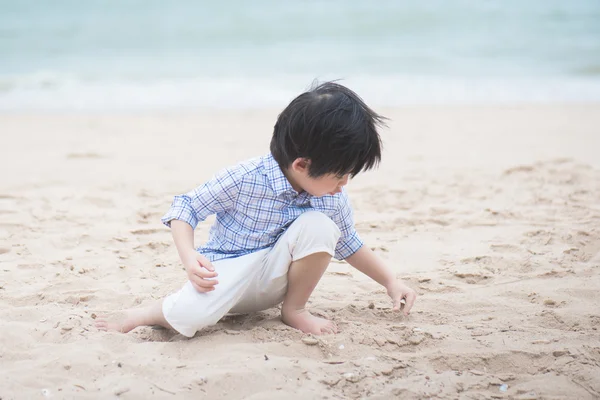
(130,319)
(187,311)
(291,271)
(303,277)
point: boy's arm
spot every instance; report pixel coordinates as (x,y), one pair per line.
(200,271)
(217,195)
(351,248)
(370,264)
(367,262)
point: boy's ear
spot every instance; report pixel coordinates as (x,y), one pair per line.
(301,165)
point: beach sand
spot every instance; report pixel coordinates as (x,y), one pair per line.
(491,213)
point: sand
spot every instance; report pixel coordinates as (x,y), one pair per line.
(491,213)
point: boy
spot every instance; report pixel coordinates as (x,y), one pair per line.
(280,219)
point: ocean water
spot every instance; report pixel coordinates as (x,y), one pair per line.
(134,54)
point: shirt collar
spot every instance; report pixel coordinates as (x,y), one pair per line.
(277,179)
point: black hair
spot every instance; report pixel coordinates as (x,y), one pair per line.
(332,127)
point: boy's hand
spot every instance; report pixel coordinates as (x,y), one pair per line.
(399,291)
(200,271)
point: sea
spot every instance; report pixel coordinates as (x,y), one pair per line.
(74,55)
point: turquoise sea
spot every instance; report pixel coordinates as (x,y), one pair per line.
(134,54)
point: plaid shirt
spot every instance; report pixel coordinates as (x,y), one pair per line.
(255,204)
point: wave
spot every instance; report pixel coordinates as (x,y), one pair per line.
(57,91)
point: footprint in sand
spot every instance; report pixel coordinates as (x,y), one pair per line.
(472,277)
(83,155)
(144,231)
(519,169)
(30,266)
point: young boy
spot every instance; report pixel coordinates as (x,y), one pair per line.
(279,220)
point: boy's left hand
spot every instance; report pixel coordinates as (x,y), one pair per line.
(398,291)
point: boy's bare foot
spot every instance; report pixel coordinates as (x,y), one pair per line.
(122,321)
(307,323)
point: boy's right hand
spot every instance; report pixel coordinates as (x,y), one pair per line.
(200,271)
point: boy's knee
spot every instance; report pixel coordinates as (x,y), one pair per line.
(317,229)
(188,311)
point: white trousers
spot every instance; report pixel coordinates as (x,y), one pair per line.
(253,282)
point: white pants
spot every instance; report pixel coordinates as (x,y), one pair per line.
(253,282)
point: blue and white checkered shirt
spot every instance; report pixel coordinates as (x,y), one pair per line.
(255,204)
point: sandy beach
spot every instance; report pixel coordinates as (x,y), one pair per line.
(492,213)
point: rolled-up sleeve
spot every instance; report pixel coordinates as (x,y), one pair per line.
(349,242)
(217,195)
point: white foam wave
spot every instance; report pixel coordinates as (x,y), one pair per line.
(47,91)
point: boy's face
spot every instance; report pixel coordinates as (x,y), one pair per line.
(321,186)
(326,184)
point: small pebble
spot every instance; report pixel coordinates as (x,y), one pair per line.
(354,378)
(309,341)
(330,381)
(201,380)
(416,340)
(121,391)
(341,347)
(503,387)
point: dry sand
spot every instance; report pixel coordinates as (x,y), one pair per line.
(491,213)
